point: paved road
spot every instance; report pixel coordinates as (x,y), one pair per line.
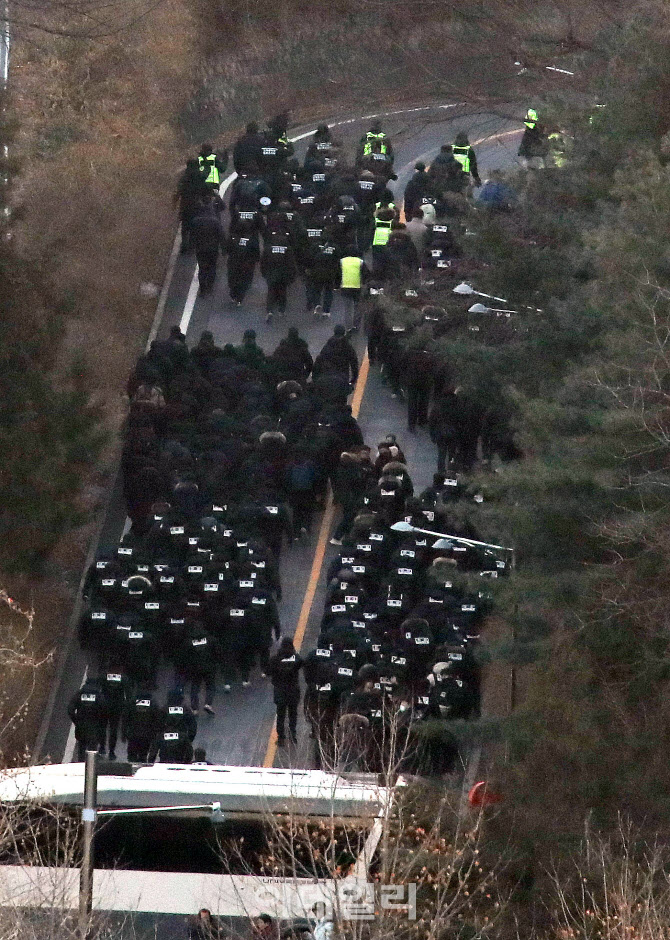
(240,733)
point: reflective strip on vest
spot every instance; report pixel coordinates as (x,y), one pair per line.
(462,156)
(370,142)
(213,176)
(382,233)
(531,118)
(351,272)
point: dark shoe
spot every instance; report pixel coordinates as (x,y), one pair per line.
(208,709)
(281,742)
(112,755)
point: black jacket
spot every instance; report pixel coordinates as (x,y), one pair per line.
(247,151)
(338,355)
(190,190)
(419,185)
(278,264)
(88,707)
(293,359)
(284,671)
(207,231)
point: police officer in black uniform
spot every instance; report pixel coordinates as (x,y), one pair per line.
(89,711)
(142,720)
(117,689)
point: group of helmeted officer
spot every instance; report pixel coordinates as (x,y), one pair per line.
(228,452)
(398,638)
(312,221)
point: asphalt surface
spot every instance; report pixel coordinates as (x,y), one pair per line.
(240,732)
(4,44)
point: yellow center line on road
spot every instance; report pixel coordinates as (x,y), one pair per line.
(319,554)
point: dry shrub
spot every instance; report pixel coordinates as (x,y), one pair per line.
(101,113)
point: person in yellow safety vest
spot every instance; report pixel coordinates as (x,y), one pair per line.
(384,220)
(531,118)
(534,145)
(353,271)
(465,155)
(212,165)
(375,141)
(382,206)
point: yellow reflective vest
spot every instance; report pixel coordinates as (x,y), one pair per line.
(382,232)
(213,176)
(351,272)
(462,156)
(531,118)
(370,142)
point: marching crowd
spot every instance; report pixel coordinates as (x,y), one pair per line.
(229,452)
(318,220)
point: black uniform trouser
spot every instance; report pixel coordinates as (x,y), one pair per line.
(207,267)
(349,511)
(467,452)
(319,293)
(393,374)
(240,277)
(89,737)
(366,231)
(443,447)
(302,504)
(276,299)
(82,747)
(374,341)
(186,228)
(209,680)
(264,658)
(138,750)
(243,659)
(112,728)
(381,262)
(286,704)
(260,645)
(418,398)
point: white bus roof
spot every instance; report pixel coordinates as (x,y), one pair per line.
(248,790)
